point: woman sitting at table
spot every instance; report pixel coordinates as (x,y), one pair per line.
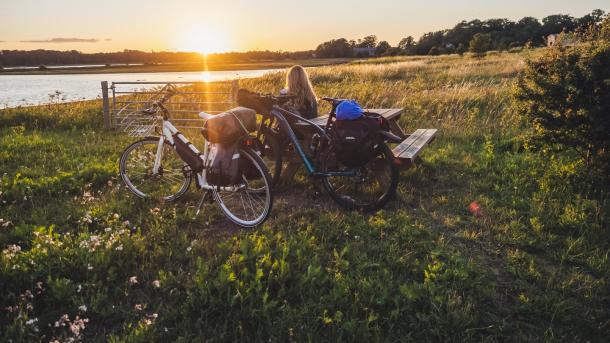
(298,85)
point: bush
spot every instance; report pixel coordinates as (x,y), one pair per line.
(434,51)
(564,94)
(480,43)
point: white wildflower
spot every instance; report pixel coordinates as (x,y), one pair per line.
(133,280)
(82,308)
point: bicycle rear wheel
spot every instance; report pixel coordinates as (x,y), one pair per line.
(370,189)
(249,204)
(136,170)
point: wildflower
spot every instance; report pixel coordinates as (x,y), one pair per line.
(31,321)
(89,266)
(78,325)
(156,284)
(62,321)
(109,183)
(133,280)
(146,321)
(107,229)
(11,250)
(79,288)
(138,307)
(155,211)
(82,308)
(119,247)
(116,215)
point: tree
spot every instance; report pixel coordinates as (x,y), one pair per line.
(406,43)
(434,51)
(382,47)
(564,94)
(334,48)
(557,23)
(367,42)
(480,43)
(461,49)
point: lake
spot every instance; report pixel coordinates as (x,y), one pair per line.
(27,90)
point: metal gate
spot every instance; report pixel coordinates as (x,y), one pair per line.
(121,99)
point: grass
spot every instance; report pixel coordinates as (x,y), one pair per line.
(532,266)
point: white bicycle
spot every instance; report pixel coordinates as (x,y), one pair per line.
(153,168)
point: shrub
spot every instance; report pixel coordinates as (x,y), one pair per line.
(480,43)
(434,51)
(564,94)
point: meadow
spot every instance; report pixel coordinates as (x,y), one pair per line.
(83,259)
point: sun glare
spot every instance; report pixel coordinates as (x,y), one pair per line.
(203,41)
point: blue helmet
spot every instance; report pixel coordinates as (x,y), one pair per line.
(348,110)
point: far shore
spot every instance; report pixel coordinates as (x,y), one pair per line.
(175,67)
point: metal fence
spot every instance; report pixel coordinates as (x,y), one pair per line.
(121,99)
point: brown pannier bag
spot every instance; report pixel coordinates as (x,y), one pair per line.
(229,126)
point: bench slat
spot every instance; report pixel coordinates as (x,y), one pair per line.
(414,148)
(404,145)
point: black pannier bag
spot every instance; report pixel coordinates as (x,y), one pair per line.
(188,152)
(356,140)
(223,169)
(229,126)
(255,101)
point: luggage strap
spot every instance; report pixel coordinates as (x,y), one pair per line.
(239,121)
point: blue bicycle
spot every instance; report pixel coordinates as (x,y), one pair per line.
(364,186)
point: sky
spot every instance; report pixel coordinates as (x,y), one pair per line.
(241,25)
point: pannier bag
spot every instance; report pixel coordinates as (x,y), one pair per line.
(348,110)
(229,126)
(355,140)
(255,101)
(188,152)
(223,169)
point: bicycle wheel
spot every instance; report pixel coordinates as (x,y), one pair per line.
(136,170)
(271,153)
(372,186)
(249,204)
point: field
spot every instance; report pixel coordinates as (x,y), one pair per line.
(532,265)
(176,67)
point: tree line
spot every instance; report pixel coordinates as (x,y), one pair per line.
(475,35)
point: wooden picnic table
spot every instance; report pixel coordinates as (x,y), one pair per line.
(408,149)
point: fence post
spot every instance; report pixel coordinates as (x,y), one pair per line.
(234,88)
(106,105)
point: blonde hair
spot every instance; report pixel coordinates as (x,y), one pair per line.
(298,84)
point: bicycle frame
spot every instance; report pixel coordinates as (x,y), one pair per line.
(278,113)
(168,132)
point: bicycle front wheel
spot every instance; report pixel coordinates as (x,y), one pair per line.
(136,170)
(249,203)
(372,185)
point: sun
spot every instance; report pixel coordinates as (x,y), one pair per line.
(203,40)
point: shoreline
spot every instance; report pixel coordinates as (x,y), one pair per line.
(174,67)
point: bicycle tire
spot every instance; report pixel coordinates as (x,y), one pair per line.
(384,156)
(124,172)
(258,162)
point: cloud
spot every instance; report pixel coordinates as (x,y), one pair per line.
(62,40)
(107,39)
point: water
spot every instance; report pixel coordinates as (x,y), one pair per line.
(27,90)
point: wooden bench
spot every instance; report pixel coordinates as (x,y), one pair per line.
(406,151)
(410,147)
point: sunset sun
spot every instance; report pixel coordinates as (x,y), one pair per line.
(203,40)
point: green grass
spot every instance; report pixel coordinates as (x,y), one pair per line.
(533,267)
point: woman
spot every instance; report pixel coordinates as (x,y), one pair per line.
(298,85)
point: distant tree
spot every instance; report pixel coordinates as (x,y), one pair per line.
(557,23)
(406,43)
(382,47)
(367,42)
(334,48)
(480,43)
(593,18)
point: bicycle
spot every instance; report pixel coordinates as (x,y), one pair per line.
(367,188)
(152,167)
